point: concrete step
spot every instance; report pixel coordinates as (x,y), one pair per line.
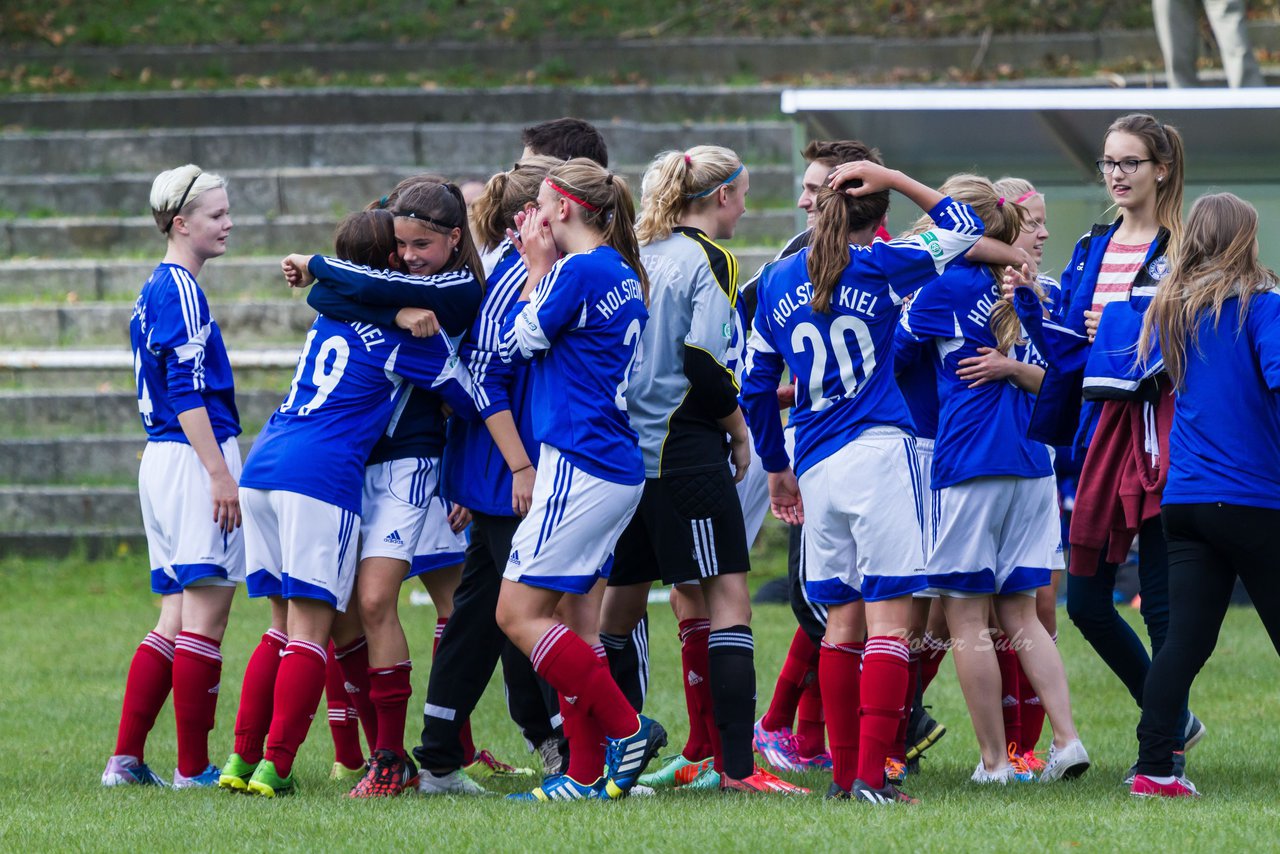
(86,543)
(244,323)
(441,147)
(96,237)
(275,192)
(51,413)
(99,460)
(231,277)
(67,508)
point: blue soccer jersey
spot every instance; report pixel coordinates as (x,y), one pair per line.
(581,331)
(1225,442)
(981,429)
(179,359)
(475,472)
(349,379)
(843,359)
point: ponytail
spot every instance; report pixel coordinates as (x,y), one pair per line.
(1164,145)
(677,182)
(506,193)
(839,215)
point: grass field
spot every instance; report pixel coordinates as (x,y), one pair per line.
(70,627)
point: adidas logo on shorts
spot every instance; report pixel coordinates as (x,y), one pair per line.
(393,538)
(514,560)
(694,679)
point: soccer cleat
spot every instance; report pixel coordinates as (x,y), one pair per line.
(889,794)
(561,787)
(1193,733)
(267,783)
(487,765)
(1001,776)
(626,758)
(778,747)
(389,775)
(1022,772)
(342,772)
(453,783)
(235,774)
(1034,763)
(1162,787)
(835,793)
(206,779)
(555,760)
(821,762)
(124,770)
(895,772)
(761,782)
(1065,764)
(675,771)
(923,733)
(708,779)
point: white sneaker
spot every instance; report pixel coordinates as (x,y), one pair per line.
(456,782)
(1065,764)
(1003,775)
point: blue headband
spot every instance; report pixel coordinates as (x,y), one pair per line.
(711,190)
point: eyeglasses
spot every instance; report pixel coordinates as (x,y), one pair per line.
(1128,167)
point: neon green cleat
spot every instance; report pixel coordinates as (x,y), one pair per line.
(266,782)
(342,772)
(675,771)
(235,774)
(486,765)
(708,779)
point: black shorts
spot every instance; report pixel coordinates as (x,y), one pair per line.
(687,527)
(811,616)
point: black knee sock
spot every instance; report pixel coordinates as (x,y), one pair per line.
(629,661)
(733,695)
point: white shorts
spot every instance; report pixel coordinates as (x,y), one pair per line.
(863,510)
(753,495)
(924,453)
(298,547)
(438,544)
(185,546)
(566,542)
(995,535)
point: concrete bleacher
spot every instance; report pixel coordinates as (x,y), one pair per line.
(76,243)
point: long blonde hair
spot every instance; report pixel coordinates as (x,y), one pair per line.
(1004,220)
(611,210)
(678,182)
(1217,260)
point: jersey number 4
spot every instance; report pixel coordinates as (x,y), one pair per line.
(848,372)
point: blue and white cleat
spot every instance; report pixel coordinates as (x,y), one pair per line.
(625,758)
(130,771)
(206,779)
(561,787)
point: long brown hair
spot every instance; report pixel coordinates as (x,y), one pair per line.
(366,237)
(1217,260)
(1164,145)
(505,195)
(440,207)
(680,181)
(839,215)
(611,211)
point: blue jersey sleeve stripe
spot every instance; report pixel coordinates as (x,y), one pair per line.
(439,280)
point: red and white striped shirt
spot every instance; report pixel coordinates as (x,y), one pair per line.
(1120,266)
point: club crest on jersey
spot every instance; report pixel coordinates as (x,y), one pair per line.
(1158,268)
(932,243)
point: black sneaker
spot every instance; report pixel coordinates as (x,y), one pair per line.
(835,793)
(923,732)
(889,794)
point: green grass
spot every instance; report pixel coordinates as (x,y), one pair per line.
(71,626)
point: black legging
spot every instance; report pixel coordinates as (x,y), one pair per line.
(1209,546)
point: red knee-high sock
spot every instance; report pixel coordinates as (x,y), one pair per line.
(586,740)
(839,671)
(257,695)
(390,689)
(695,665)
(899,748)
(299,685)
(884,678)
(145,689)
(811,727)
(569,665)
(464,733)
(1011,708)
(353,659)
(197,672)
(1031,709)
(344,721)
(802,658)
(932,653)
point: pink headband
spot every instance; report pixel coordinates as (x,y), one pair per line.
(1028,194)
(570,196)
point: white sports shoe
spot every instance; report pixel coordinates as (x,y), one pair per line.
(1065,764)
(456,782)
(1002,776)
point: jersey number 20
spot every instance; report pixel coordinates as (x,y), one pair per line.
(807,332)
